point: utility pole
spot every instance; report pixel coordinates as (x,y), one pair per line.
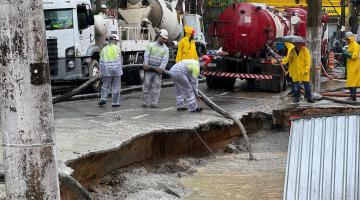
(26,103)
(314,34)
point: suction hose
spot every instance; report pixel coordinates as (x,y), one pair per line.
(227,115)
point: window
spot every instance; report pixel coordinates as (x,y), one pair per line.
(85,16)
(82,17)
(59,19)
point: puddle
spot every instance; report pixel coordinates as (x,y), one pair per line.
(231,176)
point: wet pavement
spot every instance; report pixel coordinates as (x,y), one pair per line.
(83,126)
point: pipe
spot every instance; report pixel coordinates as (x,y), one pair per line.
(227,115)
(354,103)
(75,91)
(69,182)
(327,75)
(74,186)
(337,94)
(277,59)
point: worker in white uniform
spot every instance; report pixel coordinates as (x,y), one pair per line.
(103,11)
(111,71)
(185,76)
(156,58)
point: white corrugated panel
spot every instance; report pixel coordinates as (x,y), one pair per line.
(323,159)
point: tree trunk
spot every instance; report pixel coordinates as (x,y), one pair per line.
(26,104)
(314,34)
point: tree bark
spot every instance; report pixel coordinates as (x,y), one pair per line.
(314,34)
(26,105)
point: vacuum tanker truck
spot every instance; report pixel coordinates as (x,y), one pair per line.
(243,30)
(75,36)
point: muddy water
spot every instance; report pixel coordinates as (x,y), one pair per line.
(231,176)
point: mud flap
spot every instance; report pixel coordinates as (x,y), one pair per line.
(277,83)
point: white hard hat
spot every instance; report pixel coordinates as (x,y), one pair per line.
(103,6)
(163,33)
(114,37)
(348,34)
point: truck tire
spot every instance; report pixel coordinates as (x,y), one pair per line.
(220,82)
(94,70)
(212,82)
(277,83)
(138,75)
(168,67)
(227,83)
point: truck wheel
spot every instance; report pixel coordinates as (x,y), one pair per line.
(277,84)
(216,82)
(168,67)
(136,77)
(285,86)
(227,83)
(94,71)
(211,82)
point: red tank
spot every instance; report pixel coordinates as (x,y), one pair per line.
(300,28)
(244,28)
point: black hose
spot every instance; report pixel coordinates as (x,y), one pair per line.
(69,182)
(354,103)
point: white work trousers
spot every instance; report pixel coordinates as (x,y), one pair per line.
(151,88)
(184,91)
(115,83)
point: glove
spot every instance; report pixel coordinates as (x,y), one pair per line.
(159,70)
(146,67)
(198,98)
(347,54)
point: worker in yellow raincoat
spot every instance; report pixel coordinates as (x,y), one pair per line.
(299,70)
(187,48)
(353,65)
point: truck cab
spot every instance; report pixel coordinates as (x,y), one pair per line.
(70,35)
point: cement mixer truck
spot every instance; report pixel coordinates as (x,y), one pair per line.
(75,36)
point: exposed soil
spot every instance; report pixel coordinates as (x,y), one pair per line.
(226,176)
(149,181)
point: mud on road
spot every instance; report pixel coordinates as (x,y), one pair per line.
(226,176)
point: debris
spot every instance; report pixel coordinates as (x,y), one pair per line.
(230,148)
(118,117)
(172,192)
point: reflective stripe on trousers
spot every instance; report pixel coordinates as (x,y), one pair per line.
(115,82)
(183,91)
(151,88)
